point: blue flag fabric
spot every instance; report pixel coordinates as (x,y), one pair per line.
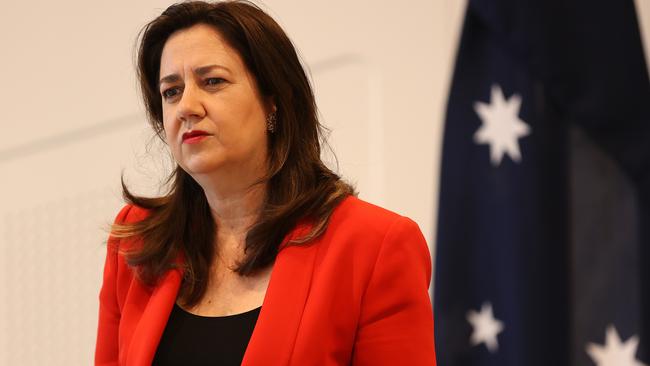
(543,233)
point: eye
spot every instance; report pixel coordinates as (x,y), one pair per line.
(214,81)
(170,93)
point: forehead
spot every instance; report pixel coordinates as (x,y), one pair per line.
(198,46)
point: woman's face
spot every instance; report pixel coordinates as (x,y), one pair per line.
(206,89)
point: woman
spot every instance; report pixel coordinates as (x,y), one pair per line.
(259,254)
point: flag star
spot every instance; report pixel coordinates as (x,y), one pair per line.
(486,327)
(614,352)
(501,126)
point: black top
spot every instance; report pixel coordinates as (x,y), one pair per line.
(193,340)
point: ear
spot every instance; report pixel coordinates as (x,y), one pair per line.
(270,104)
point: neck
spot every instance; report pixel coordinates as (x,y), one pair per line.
(234,215)
(235,212)
(235,203)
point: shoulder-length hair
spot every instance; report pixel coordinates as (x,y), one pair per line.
(299,185)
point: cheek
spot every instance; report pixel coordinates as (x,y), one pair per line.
(170,132)
(170,128)
(167,113)
(166,134)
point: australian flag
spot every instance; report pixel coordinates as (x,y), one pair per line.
(543,247)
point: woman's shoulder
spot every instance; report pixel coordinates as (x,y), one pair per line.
(370,236)
(356,215)
(130,214)
(354,208)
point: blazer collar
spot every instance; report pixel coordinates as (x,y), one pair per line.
(151,326)
(275,332)
(277,326)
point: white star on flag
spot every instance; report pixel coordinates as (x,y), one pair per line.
(614,352)
(486,327)
(501,126)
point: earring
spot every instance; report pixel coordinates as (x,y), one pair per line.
(270,122)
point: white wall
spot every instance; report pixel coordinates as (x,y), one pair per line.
(72,121)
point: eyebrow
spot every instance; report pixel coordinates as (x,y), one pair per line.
(202,70)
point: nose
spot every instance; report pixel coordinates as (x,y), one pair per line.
(190,107)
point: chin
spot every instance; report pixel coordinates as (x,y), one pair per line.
(200,170)
(201,167)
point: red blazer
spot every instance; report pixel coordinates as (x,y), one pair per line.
(357,296)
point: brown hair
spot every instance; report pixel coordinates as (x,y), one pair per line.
(299,185)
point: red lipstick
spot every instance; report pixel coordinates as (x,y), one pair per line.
(194,136)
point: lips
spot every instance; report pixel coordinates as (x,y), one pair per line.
(193,134)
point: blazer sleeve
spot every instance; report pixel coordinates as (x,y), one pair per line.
(106,347)
(396,319)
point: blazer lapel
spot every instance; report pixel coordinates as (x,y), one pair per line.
(277,326)
(151,326)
